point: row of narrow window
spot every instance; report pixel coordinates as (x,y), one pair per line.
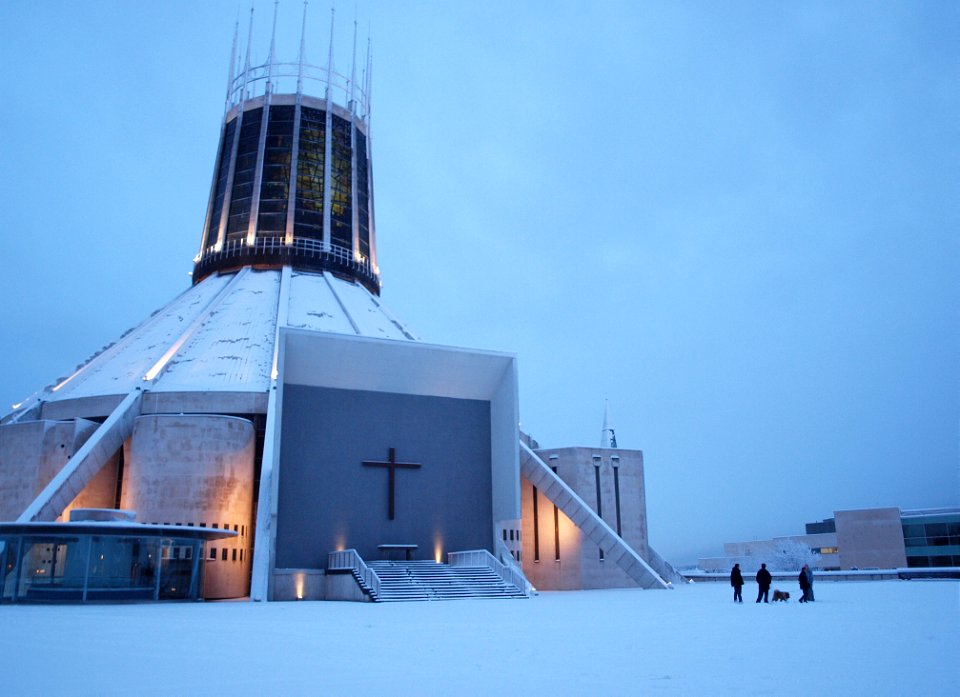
(242,529)
(225,554)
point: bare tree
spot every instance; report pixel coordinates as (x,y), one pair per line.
(791,555)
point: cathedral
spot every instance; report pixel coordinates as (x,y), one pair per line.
(275,432)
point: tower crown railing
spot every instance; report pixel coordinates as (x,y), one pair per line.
(287,78)
(302,252)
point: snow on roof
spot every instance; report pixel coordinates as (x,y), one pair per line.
(121,366)
(330,304)
(313,305)
(227,326)
(367,313)
(233,348)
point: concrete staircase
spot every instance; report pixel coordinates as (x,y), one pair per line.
(428,580)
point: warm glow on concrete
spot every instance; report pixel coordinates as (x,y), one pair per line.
(299,580)
(437,548)
(570,536)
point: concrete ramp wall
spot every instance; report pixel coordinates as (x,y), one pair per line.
(590,524)
(80,469)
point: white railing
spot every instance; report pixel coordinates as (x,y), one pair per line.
(481,557)
(666,570)
(508,560)
(350,560)
(299,247)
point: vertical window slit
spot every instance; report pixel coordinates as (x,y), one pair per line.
(536,527)
(596,471)
(616,493)
(556,528)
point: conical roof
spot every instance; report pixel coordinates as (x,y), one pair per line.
(218,338)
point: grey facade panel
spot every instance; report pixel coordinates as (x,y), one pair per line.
(327,498)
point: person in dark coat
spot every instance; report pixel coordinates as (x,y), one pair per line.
(809,583)
(736,580)
(764,579)
(804,584)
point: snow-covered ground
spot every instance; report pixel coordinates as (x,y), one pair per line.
(870,638)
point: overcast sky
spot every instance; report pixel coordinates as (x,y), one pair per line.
(737,222)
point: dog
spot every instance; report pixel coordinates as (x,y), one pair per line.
(782,596)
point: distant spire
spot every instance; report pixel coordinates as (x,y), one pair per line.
(608,438)
(330,58)
(303,43)
(273,42)
(233,59)
(367,80)
(353,71)
(246,60)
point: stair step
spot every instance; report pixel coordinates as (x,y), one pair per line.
(428,580)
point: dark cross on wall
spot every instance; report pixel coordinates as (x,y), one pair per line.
(392,465)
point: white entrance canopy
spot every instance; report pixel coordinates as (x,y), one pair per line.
(401,367)
(338,361)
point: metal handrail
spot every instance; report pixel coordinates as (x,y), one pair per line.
(304,245)
(298,247)
(482,557)
(510,562)
(350,560)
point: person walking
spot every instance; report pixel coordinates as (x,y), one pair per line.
(809,583)
(804,584)
(736,580)
(764,579)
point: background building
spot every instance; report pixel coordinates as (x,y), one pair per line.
(872,538)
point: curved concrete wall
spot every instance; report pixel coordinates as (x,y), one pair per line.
(31,454)
(197,469)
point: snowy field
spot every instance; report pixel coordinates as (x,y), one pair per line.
(868,638)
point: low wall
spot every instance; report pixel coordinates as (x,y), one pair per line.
(343,586)
(298,584)
(785,577)
(315,584)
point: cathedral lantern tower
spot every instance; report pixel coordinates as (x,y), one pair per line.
(292,184)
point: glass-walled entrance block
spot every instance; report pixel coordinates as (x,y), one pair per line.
(71,562)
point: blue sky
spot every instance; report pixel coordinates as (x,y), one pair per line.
(736,222)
